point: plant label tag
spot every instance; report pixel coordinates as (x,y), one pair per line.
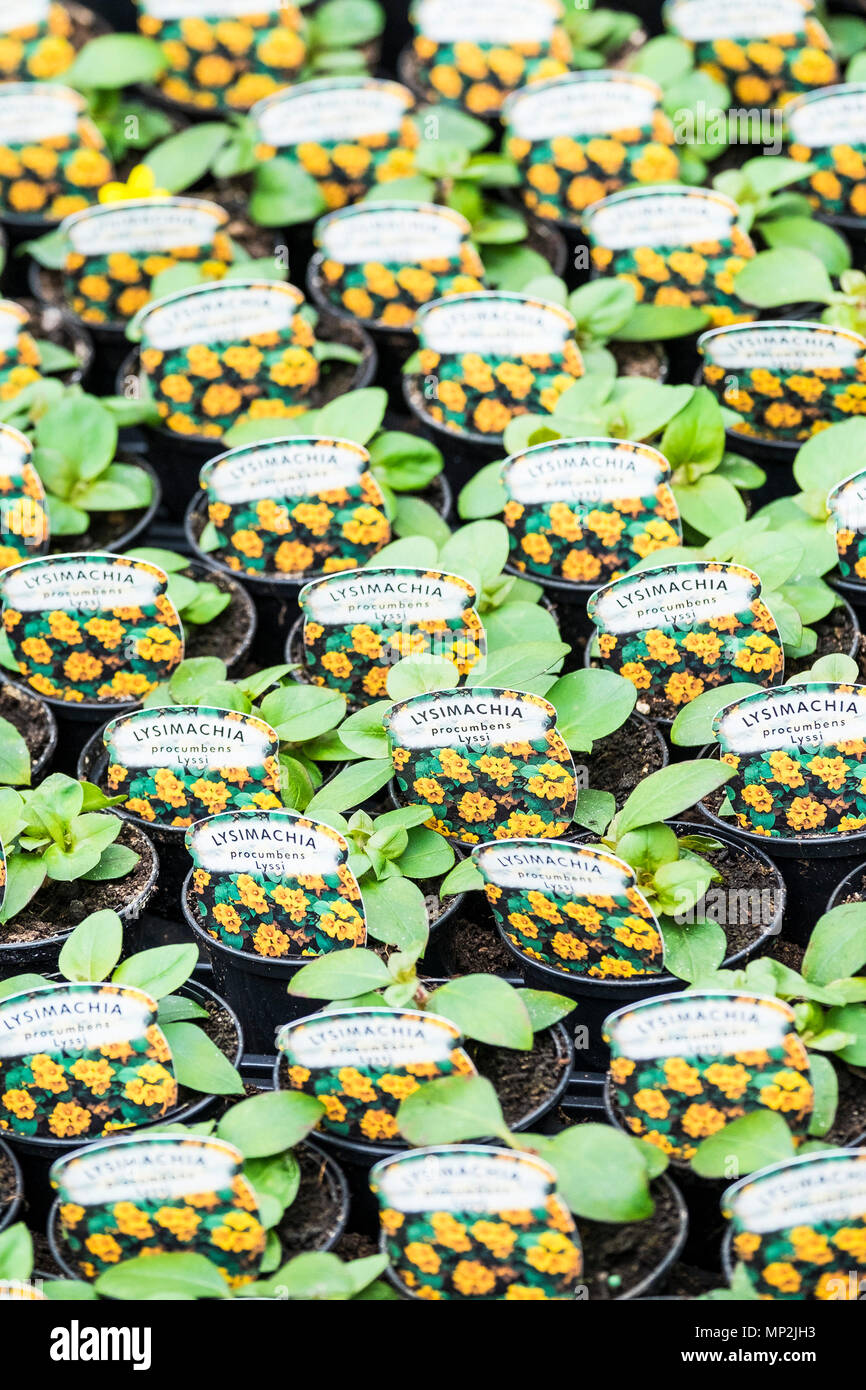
(827,129)
(362,1062)
(846,503)
(584,135)
(23,518)
(491,355)
(156,1194)
(678,245)
(684,1065)
(798,751)
(358,625)
(682,629)
(471,1222)
(20,358)
(571,907)
(274,883)
(91,627)
(77,1060)
(224,55)
(348,133)
(582,510)
(176,764)
(382,261)
(116,250)
(764,51)
(473,57)
(799,1227)
(295,507)
(489,762)
(784,379)
(20,1288)
(218,355)
(24,14)
(66,157)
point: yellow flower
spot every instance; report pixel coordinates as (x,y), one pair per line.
(140,184)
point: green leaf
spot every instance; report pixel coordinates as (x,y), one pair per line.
(112,61)
(351,786)
(850,1019)
(284,194)
(94,947)
(271,1122)
(159,971)
(600,1174)
(694,951)
(487,1008)
(670,791)
(178,1276)
(693,726)
(16,1252)
(341,975)
(355,416)
(199,1063)
(183,159)
(451,1110)
(591,704)
(544,1007)
(751,1142)
(709,503)
(415,675)
(649,323)
(14,756)
(825,1084)
(788,275)
(396,914)
(809,234)
(696,434)
(595,809)
(837,945)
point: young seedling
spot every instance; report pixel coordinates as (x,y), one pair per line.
(306,718)
(766,192)
(602,1174)
(706,478)
(91,954)
(828,996)
(60,830)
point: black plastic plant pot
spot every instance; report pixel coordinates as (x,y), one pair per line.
(35,952)
(35,721)
(810,864)
(231,634)
(178,458)
(36,1155)
(596,999)
(11,1187)
(854,593)
(256,987)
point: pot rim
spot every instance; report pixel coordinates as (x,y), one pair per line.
(128,913)
(44,759)
(587,985)
(199,992)
(16,1202)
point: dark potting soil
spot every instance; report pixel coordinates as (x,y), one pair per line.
(27,714)
(835,633)
(856,888)
(316,1209)
(849,1126)
(223,636)
(687,1281)
(617,1257)
(86,25)
(58,907)
(639,359)
(748,878)
(47,323)
(618,763)
(522,1080)
(476,948)
(353,1246)
(43,1259)
(8,1184)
